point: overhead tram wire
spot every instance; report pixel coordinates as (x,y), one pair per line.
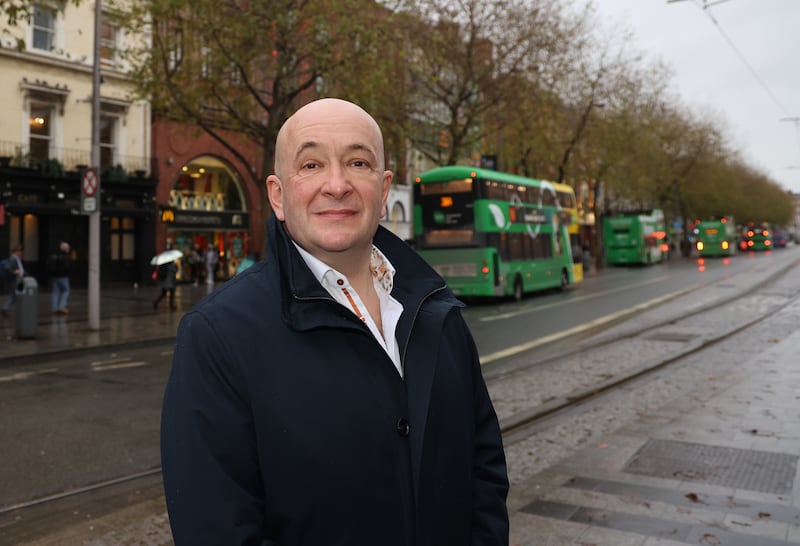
(787,117)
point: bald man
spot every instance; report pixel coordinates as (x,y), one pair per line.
(332,393)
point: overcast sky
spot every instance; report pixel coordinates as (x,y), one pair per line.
(753,94)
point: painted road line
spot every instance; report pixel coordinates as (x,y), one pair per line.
(26,375)
(511,351)
(101,363)
(120,365)
(518,312)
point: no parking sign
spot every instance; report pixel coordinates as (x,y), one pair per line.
(89,184)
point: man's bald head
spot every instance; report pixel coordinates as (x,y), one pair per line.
(327,109)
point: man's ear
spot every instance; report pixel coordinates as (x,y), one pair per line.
(387,183)
(275,196)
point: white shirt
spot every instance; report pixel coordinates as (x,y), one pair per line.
(339,287)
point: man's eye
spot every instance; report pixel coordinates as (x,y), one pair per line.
(310,165)
(360,163)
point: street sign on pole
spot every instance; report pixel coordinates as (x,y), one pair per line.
(89,182)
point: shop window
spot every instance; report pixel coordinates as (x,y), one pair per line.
(25,230)
(207,184)
(40,122)
(44,28)
(123,238)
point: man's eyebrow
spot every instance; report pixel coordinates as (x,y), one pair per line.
(357,147)
(354,147)
(309,144)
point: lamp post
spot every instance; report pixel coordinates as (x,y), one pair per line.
(94,216)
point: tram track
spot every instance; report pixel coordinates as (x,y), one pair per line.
(682,341)
(62,517)
(78,491)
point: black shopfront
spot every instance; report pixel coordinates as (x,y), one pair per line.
(39,209)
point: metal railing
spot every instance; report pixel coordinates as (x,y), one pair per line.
(17,154)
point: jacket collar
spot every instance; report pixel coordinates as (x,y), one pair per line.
(302,294)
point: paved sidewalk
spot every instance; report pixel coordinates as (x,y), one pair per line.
(716,466)
(126,316)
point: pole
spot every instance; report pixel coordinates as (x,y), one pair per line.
(94,217)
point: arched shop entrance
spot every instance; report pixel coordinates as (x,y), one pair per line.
(207,206)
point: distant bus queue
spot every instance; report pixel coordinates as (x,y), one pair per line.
(721,237)
(495,234)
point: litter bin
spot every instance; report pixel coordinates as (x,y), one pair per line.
(27,307)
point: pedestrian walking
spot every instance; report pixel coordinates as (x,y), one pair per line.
(331,393)
(166,275)
(196,264)
(211,259)
(16,270)
(586,258)
(59,265)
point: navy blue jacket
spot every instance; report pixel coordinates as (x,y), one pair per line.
(285,422)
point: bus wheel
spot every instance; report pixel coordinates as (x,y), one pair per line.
(564,280)
(518,289)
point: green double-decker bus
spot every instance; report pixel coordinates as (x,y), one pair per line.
(635,238)
(492,234)
(715,237)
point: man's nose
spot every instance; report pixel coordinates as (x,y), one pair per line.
(336,183)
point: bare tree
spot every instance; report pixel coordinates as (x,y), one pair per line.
(465,61)
(238,69)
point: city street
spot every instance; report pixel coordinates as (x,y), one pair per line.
(80,410)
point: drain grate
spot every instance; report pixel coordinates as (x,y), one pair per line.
(762,471)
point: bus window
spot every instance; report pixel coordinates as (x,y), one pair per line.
(516,246)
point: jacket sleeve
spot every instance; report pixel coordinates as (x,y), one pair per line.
(490,474)
(209,461)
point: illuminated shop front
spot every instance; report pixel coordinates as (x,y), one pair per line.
(206,206)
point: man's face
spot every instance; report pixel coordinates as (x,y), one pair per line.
(330,188)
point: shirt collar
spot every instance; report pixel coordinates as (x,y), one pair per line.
(379,264)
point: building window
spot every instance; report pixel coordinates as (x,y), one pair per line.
(123,238)
(176,50)
(44,28)
(235,75)
(205,62)
(108,42)
(108,141)
(40,124)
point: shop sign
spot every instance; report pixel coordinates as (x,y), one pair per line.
(27,198)
(189,219)
(168,215)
